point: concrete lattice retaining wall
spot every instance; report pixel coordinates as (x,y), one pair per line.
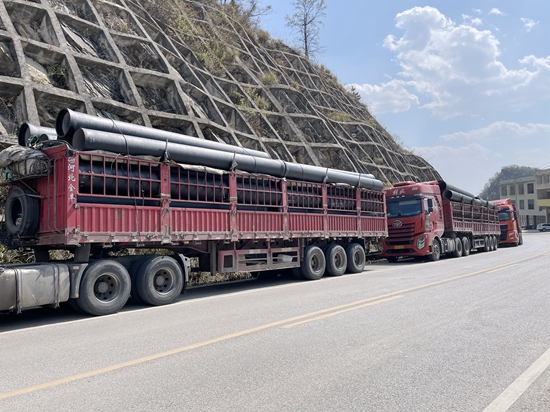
(209,77)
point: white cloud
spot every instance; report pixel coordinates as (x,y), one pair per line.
(456,69)
(496,11)
(472,21)
(528,24)
(478,11)
(390,97)
(500,130)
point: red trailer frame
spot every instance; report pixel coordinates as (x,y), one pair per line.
(253,222)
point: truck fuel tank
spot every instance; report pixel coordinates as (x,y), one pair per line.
(27,285)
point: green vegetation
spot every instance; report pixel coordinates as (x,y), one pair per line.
(338,116)
(269,78)
(260,102)
(58,75)
(214,55)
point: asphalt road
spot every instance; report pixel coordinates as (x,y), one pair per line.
(467,334)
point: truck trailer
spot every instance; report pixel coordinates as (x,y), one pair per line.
(510,228)
(233,211)
(431,219)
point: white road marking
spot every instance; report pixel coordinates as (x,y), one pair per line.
(512,393)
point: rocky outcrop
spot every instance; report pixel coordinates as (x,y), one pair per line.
(191,67)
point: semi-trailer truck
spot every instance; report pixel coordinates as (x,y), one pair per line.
(233,211)
(510,228)
(431,219)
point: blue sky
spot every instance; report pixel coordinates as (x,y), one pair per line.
(465,84)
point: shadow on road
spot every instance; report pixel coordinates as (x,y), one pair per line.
(44,316)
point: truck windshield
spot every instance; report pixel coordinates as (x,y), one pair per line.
(404,207)
(504,215)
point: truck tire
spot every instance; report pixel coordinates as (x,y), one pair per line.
(436,251)
(458,248)
(313,265)
(493,244)
(22,212)
(337,260)
(520,239)
(133,271)
(74,304)
(485,247)
(356,258)
(105,288)
(159,280)
(466,247)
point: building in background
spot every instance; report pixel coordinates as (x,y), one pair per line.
(543,191)
(524,194)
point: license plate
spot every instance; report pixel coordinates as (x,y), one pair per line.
(399,247)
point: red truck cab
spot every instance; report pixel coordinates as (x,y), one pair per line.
(415,219)
(431,219)
(510,228)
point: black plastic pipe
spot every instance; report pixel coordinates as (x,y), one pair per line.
(458,195)
(69,121)
(85,139)
(27,130)
(44,137)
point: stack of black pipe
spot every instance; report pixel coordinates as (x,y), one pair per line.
(85,132)
(458,195)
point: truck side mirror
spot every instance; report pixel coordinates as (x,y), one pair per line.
(430,205)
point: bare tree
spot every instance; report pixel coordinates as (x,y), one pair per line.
(305,23)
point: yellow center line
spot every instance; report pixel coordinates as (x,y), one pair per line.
(340,311)
(160,355)
(501,268)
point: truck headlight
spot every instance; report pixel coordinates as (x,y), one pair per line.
(421,242)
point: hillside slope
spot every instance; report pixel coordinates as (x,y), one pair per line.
(192,67)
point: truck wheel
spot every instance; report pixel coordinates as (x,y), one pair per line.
(133,270)
(465,246)
(496,242)
(436,251)
(485,247)
(74,304)
(337,260)
(105,288)
(520,239)
(493,243)
(458,248)
(159,280)
(356,258)
(22,211)
(313,265)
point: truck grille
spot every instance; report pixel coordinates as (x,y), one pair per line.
(503,227)
(400,235)
(406,230)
